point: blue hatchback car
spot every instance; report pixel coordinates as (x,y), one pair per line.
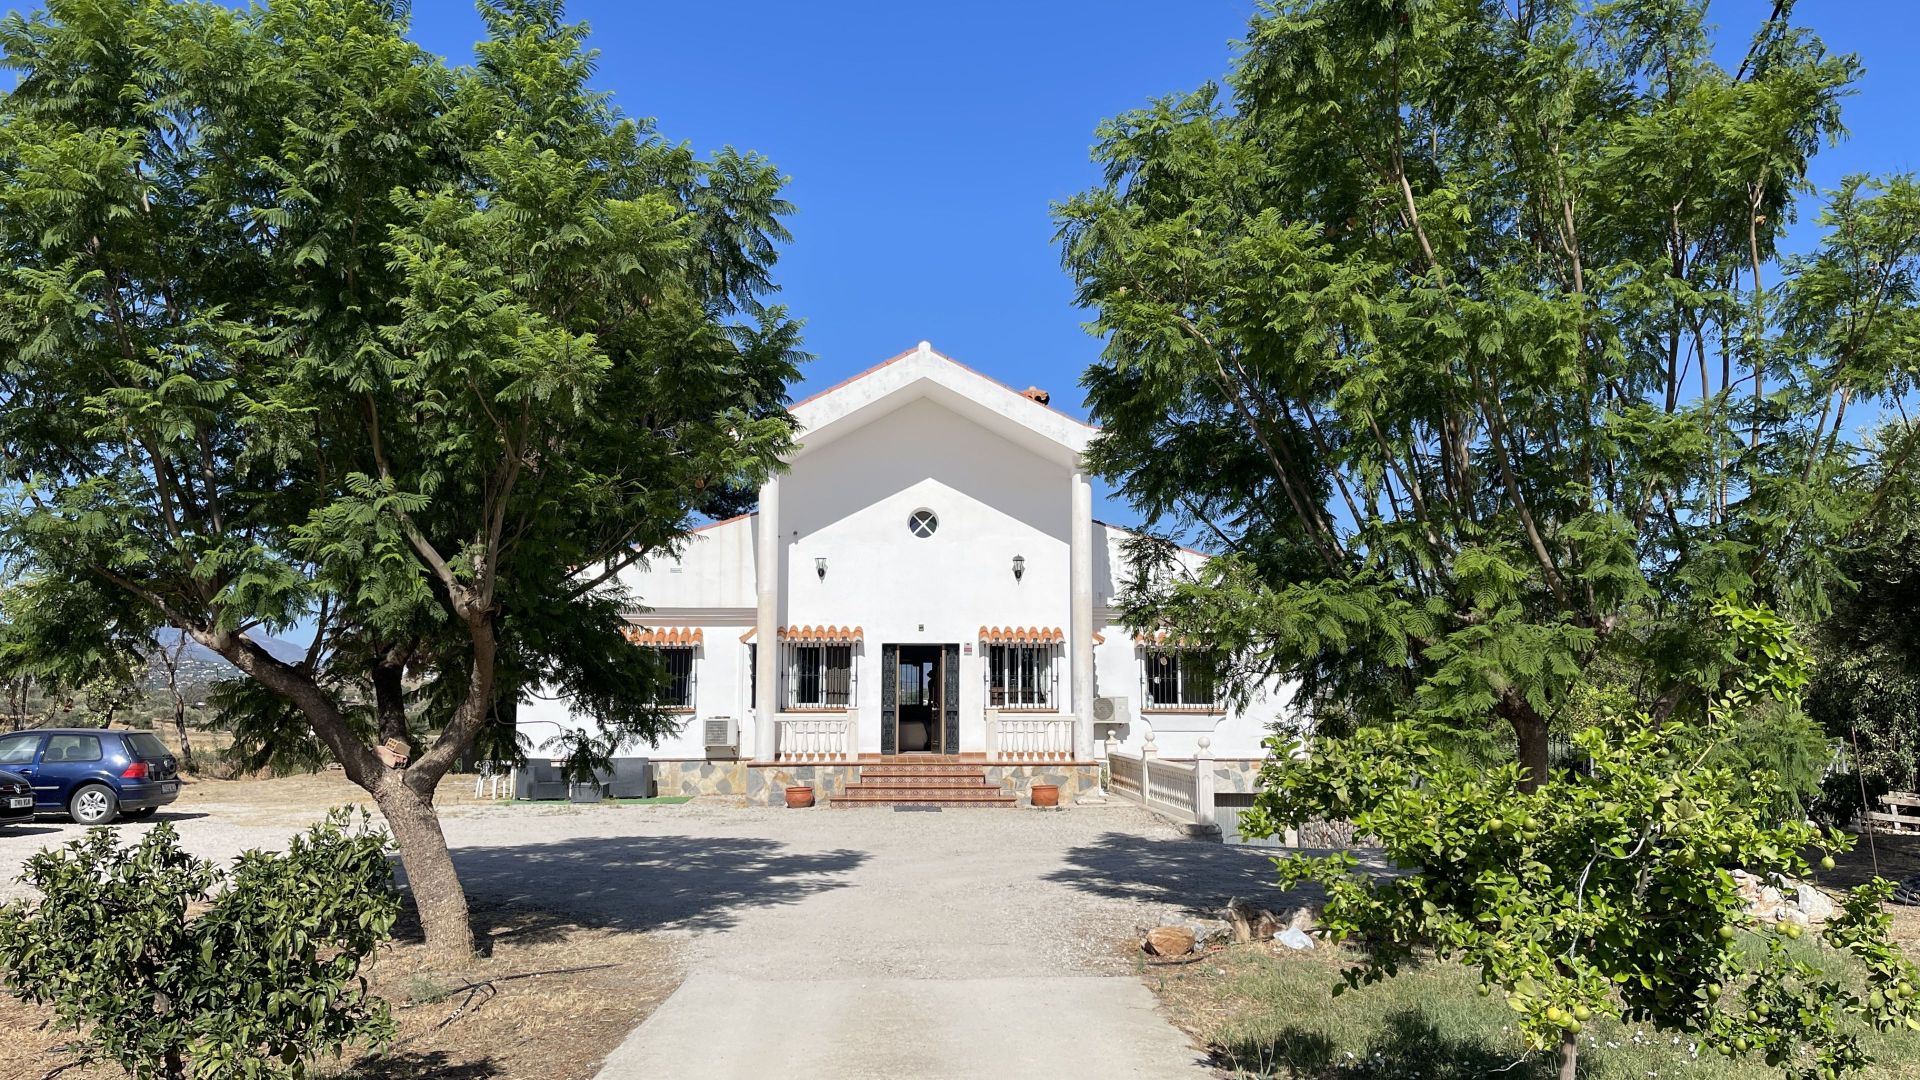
(93,775)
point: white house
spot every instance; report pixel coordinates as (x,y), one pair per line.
(924,585)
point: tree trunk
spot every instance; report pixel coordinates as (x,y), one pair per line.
(1569,1054)
(1530,740)
(405,797)
(180,729)
(437,892)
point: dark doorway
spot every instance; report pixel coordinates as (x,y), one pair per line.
(920,688)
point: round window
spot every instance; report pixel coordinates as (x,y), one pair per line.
(923,523)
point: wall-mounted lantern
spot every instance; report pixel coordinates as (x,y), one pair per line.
(820,567)
(1019,567)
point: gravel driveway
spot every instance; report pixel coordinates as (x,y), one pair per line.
(987,939)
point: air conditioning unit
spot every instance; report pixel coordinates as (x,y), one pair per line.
(1111,718)
(723,738)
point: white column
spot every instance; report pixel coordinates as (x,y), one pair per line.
(766,633)
(1080,629)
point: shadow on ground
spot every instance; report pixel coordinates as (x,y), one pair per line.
(1196,875)
(437,1064)
(1410,1045)
(649,882)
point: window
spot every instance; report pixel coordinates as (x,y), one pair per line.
(18,749)
(676,692)
(818,676)
(72,748)
(1179,679)
(1020,676)
(145,746)
(923,523)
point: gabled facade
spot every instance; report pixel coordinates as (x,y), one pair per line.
(925,578)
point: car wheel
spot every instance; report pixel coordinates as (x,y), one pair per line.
(94,804)
(141,814)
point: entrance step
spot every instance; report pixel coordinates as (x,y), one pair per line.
(928,783)
(973,772)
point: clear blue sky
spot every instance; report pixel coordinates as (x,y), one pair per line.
(926,142)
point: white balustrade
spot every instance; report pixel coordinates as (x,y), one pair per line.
(814,738)
(1026,737)
(1181,790)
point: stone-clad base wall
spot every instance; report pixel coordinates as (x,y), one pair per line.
(1074,780)
(767,784)
(754,783)
(1240,776)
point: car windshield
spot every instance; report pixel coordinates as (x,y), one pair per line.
(146,747)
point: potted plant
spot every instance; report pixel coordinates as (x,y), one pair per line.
(1044,794)
(584,760)
(799,796)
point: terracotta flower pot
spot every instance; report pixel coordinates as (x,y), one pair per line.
(799,798)
(1046,794)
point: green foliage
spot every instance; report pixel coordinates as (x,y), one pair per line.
(1602,893)
(301,324)
(173,968)
(586,757)
(1462,332)
(1868,687)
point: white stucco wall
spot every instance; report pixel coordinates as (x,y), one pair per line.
(847,499)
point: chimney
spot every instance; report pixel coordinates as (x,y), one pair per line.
(1034,393)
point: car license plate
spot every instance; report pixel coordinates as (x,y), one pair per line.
(20,803)
(169,787)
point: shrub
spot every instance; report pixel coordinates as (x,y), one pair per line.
(1608,894)
(173,968)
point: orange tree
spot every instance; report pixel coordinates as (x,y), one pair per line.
(1605,891)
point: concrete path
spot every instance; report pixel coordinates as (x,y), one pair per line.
(917,946)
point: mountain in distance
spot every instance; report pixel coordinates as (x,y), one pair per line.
(198,656)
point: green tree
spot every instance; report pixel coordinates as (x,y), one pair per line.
(299,324)
(1867,688)
(1605,891)
(1462,331)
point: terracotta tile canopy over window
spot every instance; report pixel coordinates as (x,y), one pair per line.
(833,634)
(1021,635)
(664,637)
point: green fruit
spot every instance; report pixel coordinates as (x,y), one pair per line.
(1826,862)
(1793,931)
(1876,1000)
(1581,1012)
(1554,1015)
(1741,1044)
(1726,933)
(1494,825)
(1571,1027)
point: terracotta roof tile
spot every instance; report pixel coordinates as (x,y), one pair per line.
(1021,635)
(668,636)
(847,634)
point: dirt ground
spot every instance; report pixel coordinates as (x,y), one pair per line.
(548,998)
